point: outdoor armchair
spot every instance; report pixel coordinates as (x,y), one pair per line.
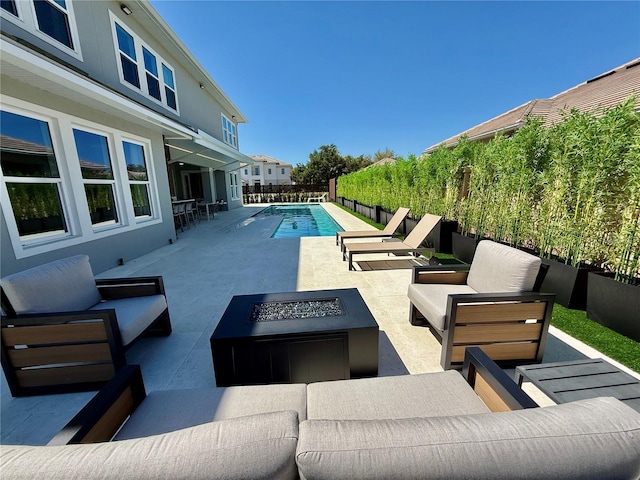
(493,303)
(388,231)
(65,331)
(411,244)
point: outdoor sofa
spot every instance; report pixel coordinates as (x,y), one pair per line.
(494,302)
(65,331)
(444,425)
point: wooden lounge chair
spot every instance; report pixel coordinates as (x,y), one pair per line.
(411,243)
(493,303)
(388,231)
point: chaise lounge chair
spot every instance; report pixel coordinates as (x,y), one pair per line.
(411,243)
(388,231)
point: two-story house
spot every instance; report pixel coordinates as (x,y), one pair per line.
(105,116)
(265,171)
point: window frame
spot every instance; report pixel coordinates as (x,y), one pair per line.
(75,209)
(229,136)
(139,62)
(115,187)
(233,182)
(150,183)
(27,19)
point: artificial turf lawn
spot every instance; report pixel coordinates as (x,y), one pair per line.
(610,343)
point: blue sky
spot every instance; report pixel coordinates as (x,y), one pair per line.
(370,75)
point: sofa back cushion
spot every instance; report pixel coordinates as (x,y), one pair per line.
(59,286)
(500,268)
(257,447)
(590,439)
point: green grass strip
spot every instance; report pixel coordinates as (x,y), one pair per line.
(610,343)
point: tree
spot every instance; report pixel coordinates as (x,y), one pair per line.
(357,163)
(386,153)
(324,163)
(298,172)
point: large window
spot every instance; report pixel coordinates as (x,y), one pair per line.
(51,20)
(143,69)
(31,176)
(138,178)
(229,134)
(66,181)
(97,174)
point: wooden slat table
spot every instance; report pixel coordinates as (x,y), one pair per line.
(566,382)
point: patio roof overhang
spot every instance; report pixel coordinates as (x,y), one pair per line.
(203,150)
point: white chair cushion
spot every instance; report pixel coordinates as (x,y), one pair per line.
(500,268)
(63,285)
(134,314)
(403,396)
(257,447)
(431,300)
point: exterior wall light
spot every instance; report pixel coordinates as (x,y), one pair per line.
(125,9)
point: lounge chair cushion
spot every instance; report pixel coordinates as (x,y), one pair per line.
(428,394)
(257,447)
(431,300)
(134,314)
(590,439)
(500,268)
(60,286)
(157,413)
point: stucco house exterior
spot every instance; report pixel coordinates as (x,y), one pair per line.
(266,171)
(105,116)
(603,91)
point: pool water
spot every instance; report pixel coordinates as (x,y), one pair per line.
(302,221)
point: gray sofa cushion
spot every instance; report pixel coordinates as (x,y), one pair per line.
(157,412)
(590,439)
(403,396)
(256,447)
(134,314)
(59,286)
(500,268)
(431,300)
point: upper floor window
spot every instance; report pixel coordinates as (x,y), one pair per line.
(229,133)
(246,171)
(269,171)
(282,171)
(143,69)
(256,170)
(51,20)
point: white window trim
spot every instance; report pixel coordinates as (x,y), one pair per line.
(28,21)
(234,137)
(234,184)
(73,198)
(142,71)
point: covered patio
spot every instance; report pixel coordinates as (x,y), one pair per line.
(230,255)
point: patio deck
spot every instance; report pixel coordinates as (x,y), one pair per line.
(231,255)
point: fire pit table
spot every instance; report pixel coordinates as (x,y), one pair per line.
(295,337)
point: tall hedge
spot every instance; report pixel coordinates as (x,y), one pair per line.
(570,191)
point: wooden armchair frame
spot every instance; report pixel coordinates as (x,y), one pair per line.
(101,418)
(72,351)
(510,327)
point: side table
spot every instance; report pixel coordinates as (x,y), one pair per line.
(566,382)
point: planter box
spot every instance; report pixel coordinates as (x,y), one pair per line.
(463,247)
(568,283)
(615,305)
(440,237)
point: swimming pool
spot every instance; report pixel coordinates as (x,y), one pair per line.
(302,221)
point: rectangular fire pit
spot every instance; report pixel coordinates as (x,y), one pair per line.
(295,337)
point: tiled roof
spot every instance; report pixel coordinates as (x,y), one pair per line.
(382,161)
(603,91)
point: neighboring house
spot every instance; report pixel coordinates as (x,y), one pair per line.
(105,116)
(603,91)
(266,171)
